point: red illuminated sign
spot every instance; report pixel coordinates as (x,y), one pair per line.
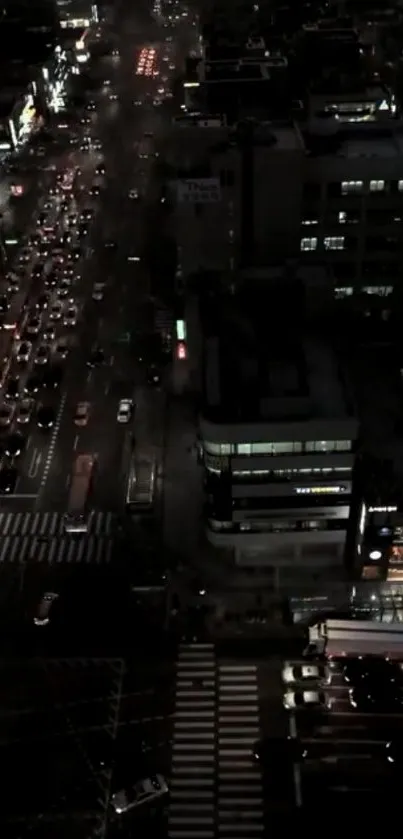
(181,351)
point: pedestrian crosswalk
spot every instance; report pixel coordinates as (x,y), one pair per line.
(216,786)
(27,537)
(50,524)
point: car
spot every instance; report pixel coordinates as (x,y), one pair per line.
(94,191)
(271,751)
(110,244)
(82,230)
(66,238)
(82,414)
(38,270)
(96,144)
(32,385)
(33,326)
(25,256)
(76,253)
(6,415)
(4,304)
(87,214)
(14,445)
(61,349)
(96,358)
(64,290)
(53,377)
(45,417)
(306,673)
(44,607)
(12,283)
(153,375)
(85,121)
(125,411)
(68,272)
(142,792)
(12,389)
(134,194)
(8,480)
(113,97)
(49,333)
(375,697)
(23,352)
(306,699)
(91,106)
(100,169)
(70,316)
(51,280)
(56,311)
(98,292)
(43,300)
(72,219)
(357,670)
(42,355)
(394,753)
(24,412)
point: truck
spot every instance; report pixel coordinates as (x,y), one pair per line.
(354,638)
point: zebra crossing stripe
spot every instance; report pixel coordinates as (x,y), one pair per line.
(50,524)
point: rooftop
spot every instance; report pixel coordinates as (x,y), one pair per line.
(261,365)
(351,141)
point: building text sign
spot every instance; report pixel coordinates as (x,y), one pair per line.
(199,191)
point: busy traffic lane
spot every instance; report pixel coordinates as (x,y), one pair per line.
(122,221)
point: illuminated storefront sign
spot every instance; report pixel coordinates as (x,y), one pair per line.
(315,490)
(75,23)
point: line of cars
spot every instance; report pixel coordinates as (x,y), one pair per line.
(34,370)
(374,684)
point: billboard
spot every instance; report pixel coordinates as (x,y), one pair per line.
(198,191)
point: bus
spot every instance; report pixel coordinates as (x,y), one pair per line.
(141,485)
(76,519)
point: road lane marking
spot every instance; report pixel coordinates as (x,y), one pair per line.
(34,464)
(52,444)
(75,444)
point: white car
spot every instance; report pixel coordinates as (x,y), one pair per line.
(23,352)
(134,194)
(306,673)
(125,410)
(42,613)
(98,291)
(141,793)
(294,700)
(70,317)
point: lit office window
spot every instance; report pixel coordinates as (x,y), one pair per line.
(349,187)
(334,243)
(309,244)
(376,186)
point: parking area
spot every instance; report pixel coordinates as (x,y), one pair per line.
(342,716)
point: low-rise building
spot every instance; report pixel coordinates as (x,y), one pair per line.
(278,435)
